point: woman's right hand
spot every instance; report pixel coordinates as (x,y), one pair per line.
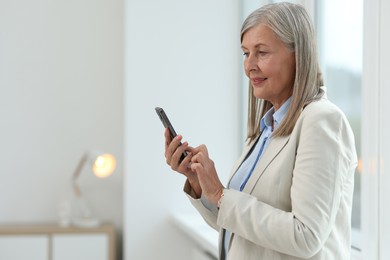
(173,154)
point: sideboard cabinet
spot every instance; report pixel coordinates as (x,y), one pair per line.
(51,242)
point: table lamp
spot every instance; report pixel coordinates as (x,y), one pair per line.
(102,165)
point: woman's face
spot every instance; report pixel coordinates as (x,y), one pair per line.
(269,65)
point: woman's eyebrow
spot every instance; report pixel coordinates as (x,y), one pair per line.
(256,46)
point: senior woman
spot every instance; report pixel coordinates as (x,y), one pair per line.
(290,192)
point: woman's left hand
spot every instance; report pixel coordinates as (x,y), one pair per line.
(204,167)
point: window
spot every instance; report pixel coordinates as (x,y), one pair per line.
(340,40)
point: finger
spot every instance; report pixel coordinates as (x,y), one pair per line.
(188,155)
(186,162)
(178,153)
(169,146)
(199,158)
(167,138)
(191,149)
(196,167)
(172,146)
(201,148)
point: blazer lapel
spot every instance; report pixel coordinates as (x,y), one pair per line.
(243,156)
(273,149)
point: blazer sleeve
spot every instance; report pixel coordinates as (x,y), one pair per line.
(209,216)
(325,159)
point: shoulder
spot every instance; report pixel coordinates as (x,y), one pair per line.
(322,110)
(325,123)
(322,106)
(323,117)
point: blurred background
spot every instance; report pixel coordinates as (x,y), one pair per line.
(80,76)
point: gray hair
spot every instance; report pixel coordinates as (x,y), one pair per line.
(292,25)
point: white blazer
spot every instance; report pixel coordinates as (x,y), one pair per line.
(297,203)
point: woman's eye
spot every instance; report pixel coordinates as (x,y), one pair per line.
(246,54)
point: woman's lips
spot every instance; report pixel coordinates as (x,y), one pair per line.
(258,81)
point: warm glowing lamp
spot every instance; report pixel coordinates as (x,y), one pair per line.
(102,165)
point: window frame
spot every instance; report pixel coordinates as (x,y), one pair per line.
(356,243)
(376,64)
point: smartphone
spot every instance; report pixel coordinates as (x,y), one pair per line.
(167,124)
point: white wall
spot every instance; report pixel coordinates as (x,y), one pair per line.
(61,82)
(185,57)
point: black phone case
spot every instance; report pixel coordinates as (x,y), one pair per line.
(167,124)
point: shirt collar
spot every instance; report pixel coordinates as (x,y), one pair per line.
(277,116)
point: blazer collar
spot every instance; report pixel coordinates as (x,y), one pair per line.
(273,149)
(248,147)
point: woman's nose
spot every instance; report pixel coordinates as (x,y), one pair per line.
(251,63)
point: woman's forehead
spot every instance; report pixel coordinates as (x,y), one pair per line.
(260,35)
